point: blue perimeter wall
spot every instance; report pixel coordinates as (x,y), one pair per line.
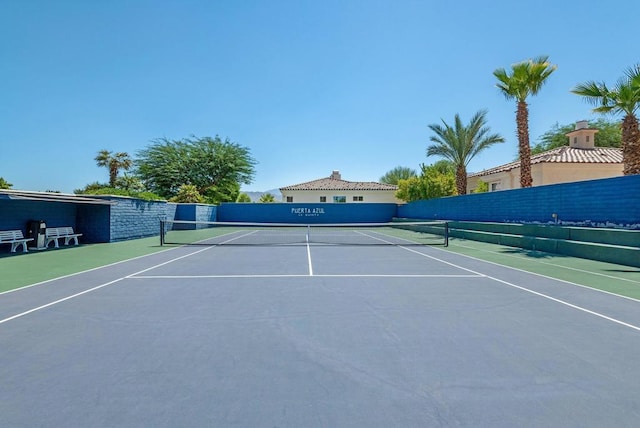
(195,212)
(308,213)
(610,202)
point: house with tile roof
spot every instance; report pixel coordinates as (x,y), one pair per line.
(580,160)
(334,189)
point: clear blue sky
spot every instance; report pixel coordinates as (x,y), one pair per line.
(308,86)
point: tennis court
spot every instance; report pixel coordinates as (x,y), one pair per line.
(309,333)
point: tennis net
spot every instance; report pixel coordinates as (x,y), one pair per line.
(180,232)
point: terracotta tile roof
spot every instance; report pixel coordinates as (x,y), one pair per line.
(563,154)
(337,184)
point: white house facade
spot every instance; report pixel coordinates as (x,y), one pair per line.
(334,189)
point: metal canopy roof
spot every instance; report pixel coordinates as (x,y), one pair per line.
(6,194)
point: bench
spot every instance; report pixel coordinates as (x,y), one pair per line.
(15,238)
(52,234)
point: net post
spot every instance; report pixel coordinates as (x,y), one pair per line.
(446,233)
(162,228)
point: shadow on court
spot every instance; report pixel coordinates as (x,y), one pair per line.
(532,253)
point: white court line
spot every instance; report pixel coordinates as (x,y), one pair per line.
(551,264)
(544,276)
(85,271)
(309,254)
(571,305)
(210,238)
(476,274)
(303,276)
(100,267)
(422,254)
(64,299)
(526,271)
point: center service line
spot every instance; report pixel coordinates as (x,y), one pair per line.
(309,254)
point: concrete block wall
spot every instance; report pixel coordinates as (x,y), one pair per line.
(134,218)
(171,210)
(611,202)
(206,212)
(127,218)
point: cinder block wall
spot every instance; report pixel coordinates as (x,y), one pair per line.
(135,218)
(206,212)
(611,202)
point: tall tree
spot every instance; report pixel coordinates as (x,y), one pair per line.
(525,78)
(443,166)
(114,163)
(215,167)
(396,174)
(436,181)
(460,143)
(622,99)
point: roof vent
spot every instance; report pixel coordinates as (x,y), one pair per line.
(335,175)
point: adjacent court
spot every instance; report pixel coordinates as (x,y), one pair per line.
(316,334)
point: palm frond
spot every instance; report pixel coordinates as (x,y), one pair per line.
(525,78)
(504,83)
(623,98)
(461,142)
(633,74)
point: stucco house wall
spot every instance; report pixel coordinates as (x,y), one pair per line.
(546,173)
(361,196)
(578,161)
(565,173)
(334,189)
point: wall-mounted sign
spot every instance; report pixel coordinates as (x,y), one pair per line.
(308,212)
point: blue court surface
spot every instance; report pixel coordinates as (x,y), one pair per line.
(316,335)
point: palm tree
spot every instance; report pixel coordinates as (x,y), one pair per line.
(114,163)
(243,197)
(396,174)
(267,198)
(623,99)
(188,193)
(526,78)
(4,184)
(461,143)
